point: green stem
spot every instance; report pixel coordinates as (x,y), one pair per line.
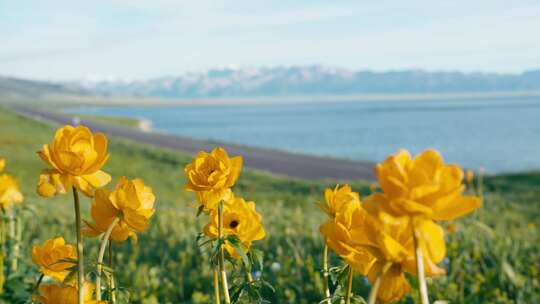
(103,246)
(216,287)
(224,284)
(18,240)
(374,290)
(327,294)
(14,237)
(2,244)
(110,254)
(36,287)
(2,278)
(113,289)
(80,247)
(349,286)
(377,284)
(111,275)
(249,278)
(420,269)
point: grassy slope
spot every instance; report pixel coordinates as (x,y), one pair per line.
(494,257)
(117,121)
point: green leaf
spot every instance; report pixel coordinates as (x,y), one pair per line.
(358,299)
(267,285)
(71,275)
(256,257)
(342,275)
(237,244)
(236,292)
(512,275)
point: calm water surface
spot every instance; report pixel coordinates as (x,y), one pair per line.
(500,135)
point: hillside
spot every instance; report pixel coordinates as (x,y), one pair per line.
(20,88)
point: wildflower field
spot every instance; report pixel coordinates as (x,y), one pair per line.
(492,253)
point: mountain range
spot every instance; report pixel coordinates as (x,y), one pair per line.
(11,87)
(313,80)
(287,81)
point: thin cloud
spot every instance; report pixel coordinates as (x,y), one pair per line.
(138,38)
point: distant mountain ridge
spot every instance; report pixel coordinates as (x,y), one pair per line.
(14,87)
(311,81)
(280,81)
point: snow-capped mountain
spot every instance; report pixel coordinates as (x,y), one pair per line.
(307,81)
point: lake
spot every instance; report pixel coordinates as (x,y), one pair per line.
(500,135)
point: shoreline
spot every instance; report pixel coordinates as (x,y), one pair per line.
(273,161)
(187,144)
(68,101)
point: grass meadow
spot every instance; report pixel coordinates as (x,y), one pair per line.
(493,255)
(117,121)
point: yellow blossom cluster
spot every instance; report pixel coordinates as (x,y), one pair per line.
(10,194)
(379,236)
(9,189)
(211,176)
(383,236)
(76,157)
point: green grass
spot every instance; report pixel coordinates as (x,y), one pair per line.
(493,258)
(117,121)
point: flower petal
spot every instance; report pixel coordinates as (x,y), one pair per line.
(83,186)
(394,285)
(447,211)
(405,206)
(51,182)
(135,220)
(98,179)
(89,229)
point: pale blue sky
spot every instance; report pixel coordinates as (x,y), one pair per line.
(68,39)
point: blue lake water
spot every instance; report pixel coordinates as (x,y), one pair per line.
(501,135)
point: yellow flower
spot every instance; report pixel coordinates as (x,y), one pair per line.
(339,239)
(394,284)
(51,258)
(423,186)
(337,230)
(416,192)
(132,202)
(76,157)
(367,238)
(65,294)
(357,240)
(393,236)
(337,198)
(240,219)
(394,241)
(9,191)
(211,176)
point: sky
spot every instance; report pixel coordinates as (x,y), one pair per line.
(138,39)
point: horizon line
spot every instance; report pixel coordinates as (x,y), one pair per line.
(112,78)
